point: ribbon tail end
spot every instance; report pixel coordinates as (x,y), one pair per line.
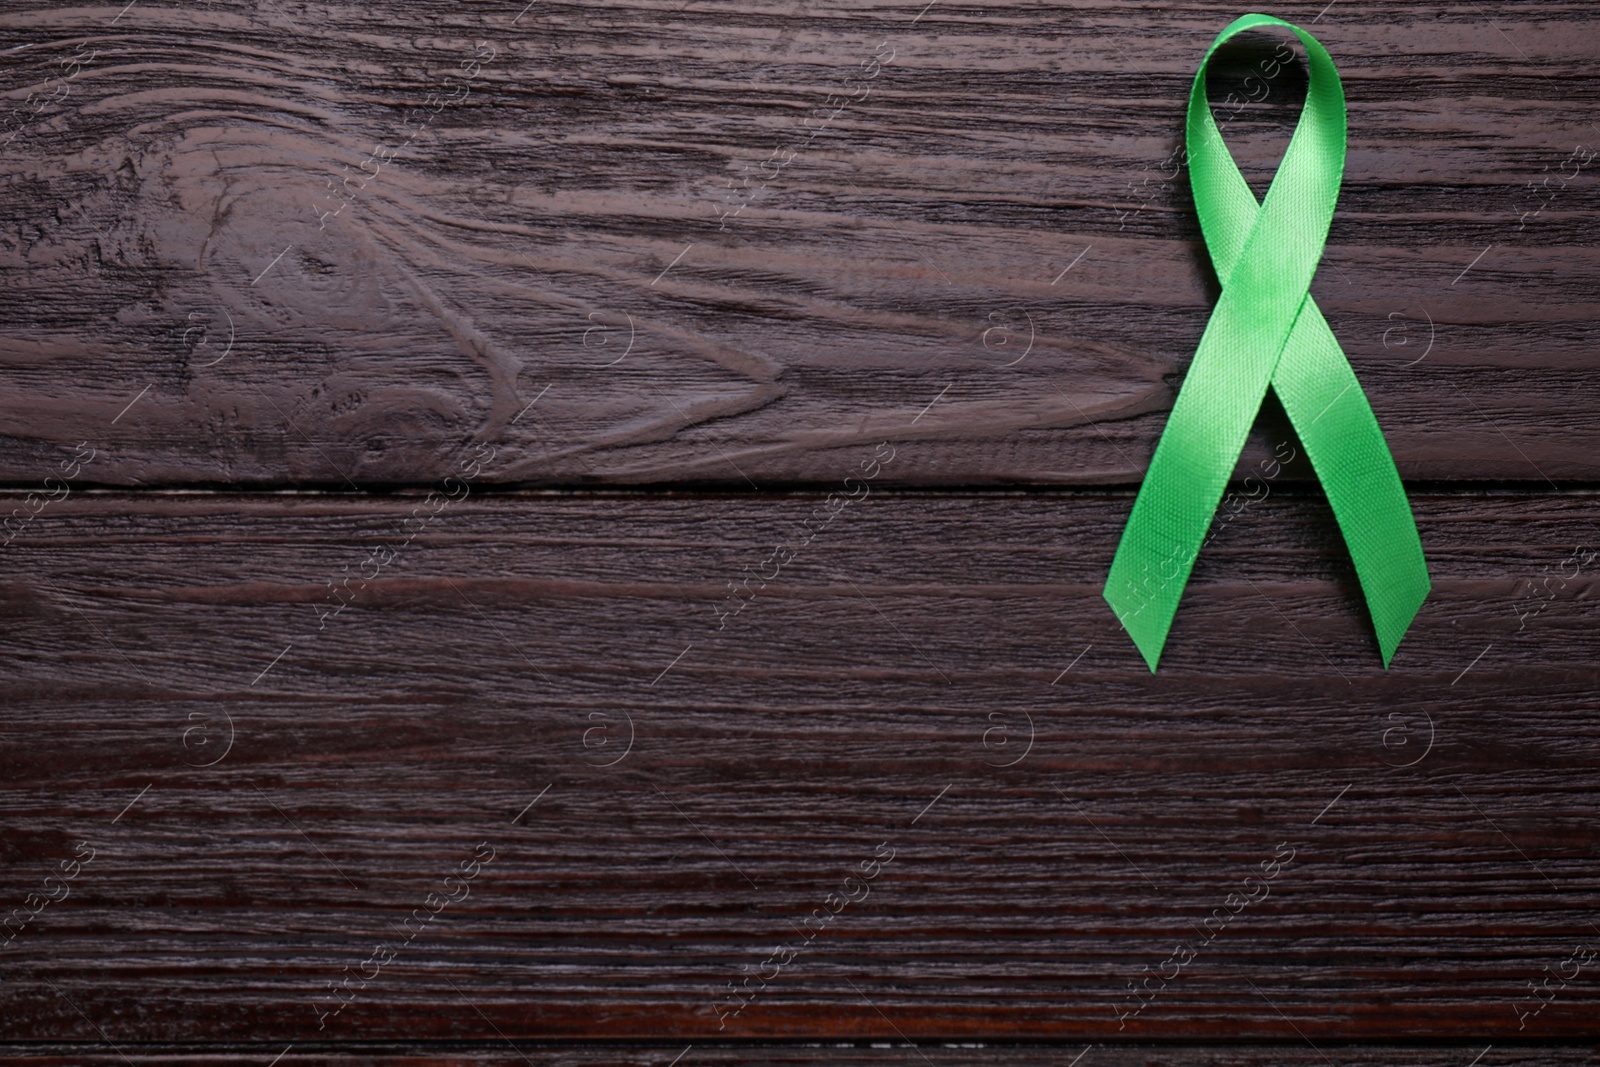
(1146,641)
(1397,619)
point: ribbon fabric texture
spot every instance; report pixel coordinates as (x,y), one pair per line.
(1266,329)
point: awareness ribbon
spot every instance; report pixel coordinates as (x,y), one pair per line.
(1266,329)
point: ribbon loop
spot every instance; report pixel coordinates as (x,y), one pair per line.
(1267,330)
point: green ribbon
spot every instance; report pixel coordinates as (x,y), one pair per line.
(1266,329)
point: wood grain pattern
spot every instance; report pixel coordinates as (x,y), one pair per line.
(313,245)
(620,744)
(507,1053)
(870,697)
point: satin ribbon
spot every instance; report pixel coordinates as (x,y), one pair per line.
(1266,329)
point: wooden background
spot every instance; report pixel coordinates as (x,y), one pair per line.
(394,394)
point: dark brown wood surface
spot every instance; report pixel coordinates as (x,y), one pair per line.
(404,407)
(615,211)
(936,679)
(505,1053)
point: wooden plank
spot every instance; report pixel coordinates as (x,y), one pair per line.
(930,683)
(423,1054)
(614,216)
